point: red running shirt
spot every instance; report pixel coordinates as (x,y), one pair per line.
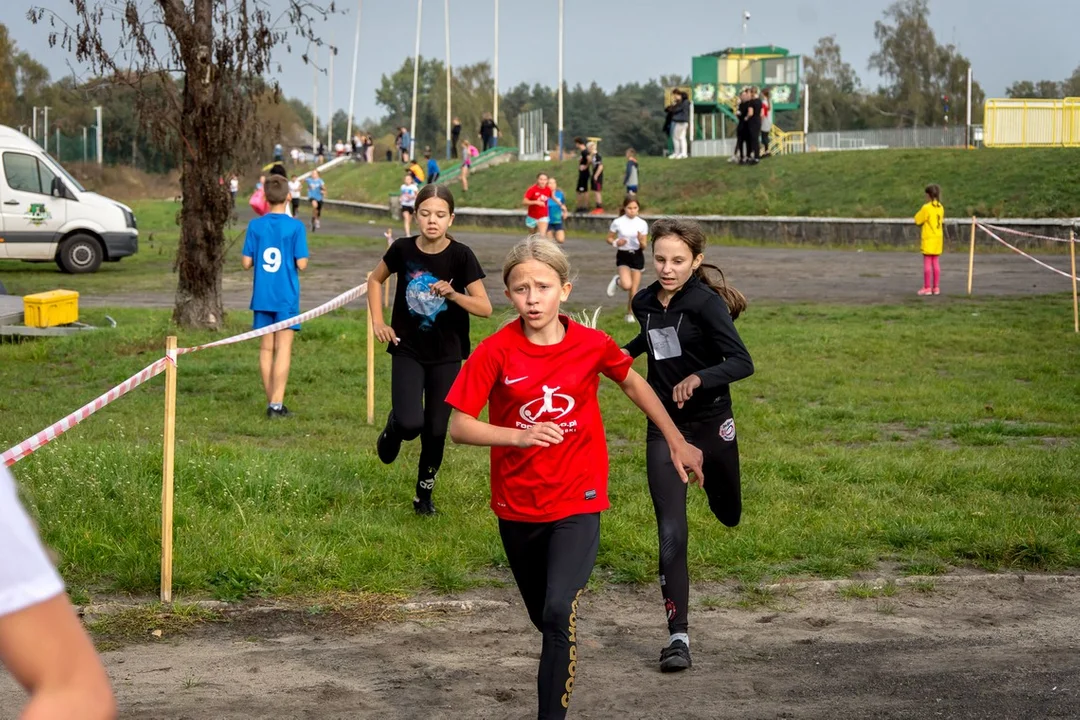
(538,212)
(524,384)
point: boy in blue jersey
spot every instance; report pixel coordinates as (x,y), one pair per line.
(432,168)
(316,190)
(276,247)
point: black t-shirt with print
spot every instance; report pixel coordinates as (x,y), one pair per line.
(431,328)
(583,166)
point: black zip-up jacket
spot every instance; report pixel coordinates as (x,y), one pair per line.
(710,348)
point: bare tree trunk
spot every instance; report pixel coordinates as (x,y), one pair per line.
(206,208)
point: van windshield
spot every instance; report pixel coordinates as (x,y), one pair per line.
(65,173)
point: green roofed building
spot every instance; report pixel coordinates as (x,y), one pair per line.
(716,78)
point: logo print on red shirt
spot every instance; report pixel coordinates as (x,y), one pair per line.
(549,408)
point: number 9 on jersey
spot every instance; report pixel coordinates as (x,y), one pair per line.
(271,259)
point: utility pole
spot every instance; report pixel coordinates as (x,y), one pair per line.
(45,134)
(315,107)
(84,155)
(34,133)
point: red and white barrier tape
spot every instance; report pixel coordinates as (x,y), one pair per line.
(340,301)
(18,452)
(1021,233)
(35,442)
(1018,251)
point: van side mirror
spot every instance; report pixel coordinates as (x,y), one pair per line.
(58,188)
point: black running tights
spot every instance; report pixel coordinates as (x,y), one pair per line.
(551,563)
(418,393)
(722,487)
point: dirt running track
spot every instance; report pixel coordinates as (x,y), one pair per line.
(975,647)
(778,274)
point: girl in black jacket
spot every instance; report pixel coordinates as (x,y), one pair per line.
(688,330)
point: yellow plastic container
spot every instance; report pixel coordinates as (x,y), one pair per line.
(47,309)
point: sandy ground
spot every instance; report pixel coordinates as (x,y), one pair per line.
(775,274)
(975,646)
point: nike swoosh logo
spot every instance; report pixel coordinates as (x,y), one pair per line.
(515,380)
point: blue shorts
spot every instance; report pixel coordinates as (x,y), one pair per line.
(632,189)
(265,319)
(556,227)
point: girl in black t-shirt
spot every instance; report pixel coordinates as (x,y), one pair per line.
(439,284)
(695,353)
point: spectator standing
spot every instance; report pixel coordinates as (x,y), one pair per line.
(406,145)
(455,137)
(487,131)
(432,168)
(630,180)
(680,123)
(753,128)
(766,120)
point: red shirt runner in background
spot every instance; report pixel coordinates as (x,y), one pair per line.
(525,384)
(538,212)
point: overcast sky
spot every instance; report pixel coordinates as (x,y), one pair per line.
(619,41)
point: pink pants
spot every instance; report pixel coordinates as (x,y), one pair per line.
(931,271)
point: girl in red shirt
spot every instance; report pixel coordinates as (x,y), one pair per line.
(539,376)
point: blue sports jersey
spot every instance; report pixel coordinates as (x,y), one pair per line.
(275,242)
(554,209)
(315,188)
(432,168)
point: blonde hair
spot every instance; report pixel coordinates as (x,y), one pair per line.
(591,146)
(539,248)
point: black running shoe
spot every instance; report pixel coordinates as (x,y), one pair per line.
(423,507)
(283,412)
(675,657)
(388,445)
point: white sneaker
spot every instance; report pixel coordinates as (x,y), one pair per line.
(630,318)
(613,286)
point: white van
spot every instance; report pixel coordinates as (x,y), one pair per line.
(45,214)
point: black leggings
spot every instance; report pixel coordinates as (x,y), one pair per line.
(551,563)
(722,487)
(418,393)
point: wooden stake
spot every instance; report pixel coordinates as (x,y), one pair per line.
(1072,261)
(971,256)
(169,451)
(370,365)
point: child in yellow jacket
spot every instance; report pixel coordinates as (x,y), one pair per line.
(931,218)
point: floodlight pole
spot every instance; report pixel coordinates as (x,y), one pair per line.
(330,100)
(352,85)
(495,71)
(315,107)
(415,79)
(449,78)
(45,133)
(561,26)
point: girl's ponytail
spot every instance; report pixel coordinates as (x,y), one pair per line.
(691,233)
(713,276)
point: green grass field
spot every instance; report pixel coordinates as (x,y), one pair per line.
(916,435)
(1032,183)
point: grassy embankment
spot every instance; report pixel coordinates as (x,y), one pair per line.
(875,183)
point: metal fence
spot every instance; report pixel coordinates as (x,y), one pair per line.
(892,138)
(532,136)
(881,139)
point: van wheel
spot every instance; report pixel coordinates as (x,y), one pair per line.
(79,254)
